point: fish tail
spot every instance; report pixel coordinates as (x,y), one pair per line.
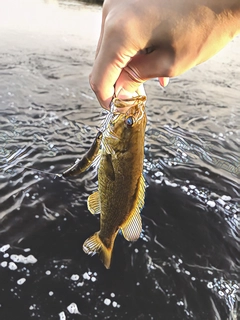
(95,245)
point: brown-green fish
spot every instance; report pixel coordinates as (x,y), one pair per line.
(121,186)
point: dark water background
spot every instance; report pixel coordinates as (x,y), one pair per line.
(186,265)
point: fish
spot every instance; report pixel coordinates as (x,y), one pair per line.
(121,185)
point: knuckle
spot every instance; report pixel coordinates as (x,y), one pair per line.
(133,74)
(93,84)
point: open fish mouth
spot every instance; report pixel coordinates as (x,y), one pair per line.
(122,106)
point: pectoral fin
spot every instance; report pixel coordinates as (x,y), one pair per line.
(133,227)
(93,203)
(109,170)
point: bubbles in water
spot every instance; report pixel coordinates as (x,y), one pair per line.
(211,204)
(21,259)
(75,277)
(107,302)
(4,264)
(221,202)
(226,198)
(12,266)
(210,285)
(21,281)
(86,276)
(62,316)
(5,248)
(73,309)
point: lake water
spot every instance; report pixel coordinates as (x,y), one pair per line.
(186,265)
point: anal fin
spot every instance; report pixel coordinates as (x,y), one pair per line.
(133,227)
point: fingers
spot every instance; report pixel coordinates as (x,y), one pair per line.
(143,67)
(104,15)
(109,63)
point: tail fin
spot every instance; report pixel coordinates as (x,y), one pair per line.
(95,245)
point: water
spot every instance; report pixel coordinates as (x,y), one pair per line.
(186,264)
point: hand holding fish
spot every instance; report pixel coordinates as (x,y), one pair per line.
(140,40)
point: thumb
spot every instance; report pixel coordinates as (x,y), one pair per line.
(143,67)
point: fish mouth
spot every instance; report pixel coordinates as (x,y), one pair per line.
(124,105)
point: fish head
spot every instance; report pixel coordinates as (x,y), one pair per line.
(128,122)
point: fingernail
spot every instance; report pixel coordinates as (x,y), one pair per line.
(164,81)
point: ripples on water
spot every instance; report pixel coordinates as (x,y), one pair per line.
(186,264)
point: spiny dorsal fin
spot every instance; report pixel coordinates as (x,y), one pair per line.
(93,203)
(133,228)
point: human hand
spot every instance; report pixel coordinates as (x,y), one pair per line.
(140,40)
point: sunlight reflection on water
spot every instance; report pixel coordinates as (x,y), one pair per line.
(186,263)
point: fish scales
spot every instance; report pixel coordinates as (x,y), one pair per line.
(121,187)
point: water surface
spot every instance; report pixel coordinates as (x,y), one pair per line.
(186,264)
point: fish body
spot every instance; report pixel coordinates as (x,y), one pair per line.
(121,186)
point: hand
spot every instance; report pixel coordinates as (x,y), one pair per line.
(141,39)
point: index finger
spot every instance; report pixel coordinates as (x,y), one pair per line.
(113,55)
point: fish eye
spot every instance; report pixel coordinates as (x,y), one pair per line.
(129,121)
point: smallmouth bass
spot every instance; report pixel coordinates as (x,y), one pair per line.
(121,186)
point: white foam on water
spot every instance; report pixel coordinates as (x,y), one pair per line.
(5,248)
(191,186)
(107,302)
(62,316)
(12,266)
(80,284)
(211,203)
(210,285)
(21,259)
(86,276)
(226,198)
(21,281)
(4,264)
(75,277)
(170,184)
(221,202)
(73,309)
